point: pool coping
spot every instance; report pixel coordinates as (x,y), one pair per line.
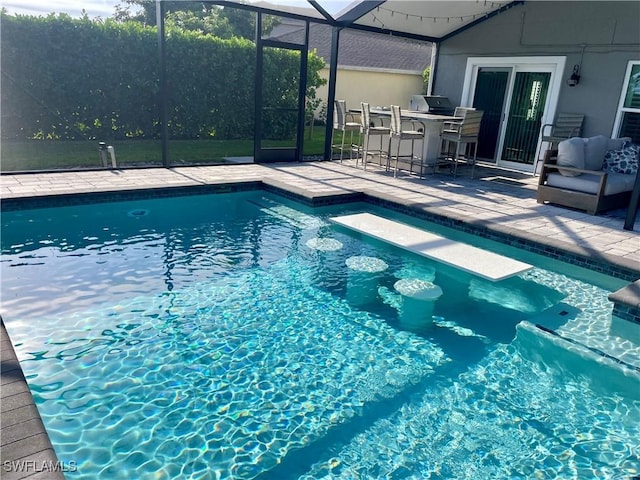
(626,300)
(25,447)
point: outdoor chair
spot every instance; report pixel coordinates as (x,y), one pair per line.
(459,112)
(369,129)
(344,123)
(463,135)
(567,125)
(397,133)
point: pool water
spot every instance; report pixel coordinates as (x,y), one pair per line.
(226,336)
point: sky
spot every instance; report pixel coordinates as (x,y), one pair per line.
(106,8)
(94,8)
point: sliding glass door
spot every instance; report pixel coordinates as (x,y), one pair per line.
(518,96)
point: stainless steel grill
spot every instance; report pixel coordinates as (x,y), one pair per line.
(435,104)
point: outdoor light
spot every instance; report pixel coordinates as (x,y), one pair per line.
(574,79)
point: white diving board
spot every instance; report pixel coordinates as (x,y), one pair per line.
(477,261)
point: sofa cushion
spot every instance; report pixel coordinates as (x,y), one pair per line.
(594,151)
(571,154)
(589,183)
(624,160)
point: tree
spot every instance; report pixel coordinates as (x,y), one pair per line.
(212,23)
(426,74)
(196,16)
(145,15)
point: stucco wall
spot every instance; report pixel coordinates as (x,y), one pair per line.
(375,87)
(608,31)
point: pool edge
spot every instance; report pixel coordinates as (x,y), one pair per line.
(25,447)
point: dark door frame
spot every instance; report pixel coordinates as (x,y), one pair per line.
(274,154)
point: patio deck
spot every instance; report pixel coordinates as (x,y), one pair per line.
(499,201)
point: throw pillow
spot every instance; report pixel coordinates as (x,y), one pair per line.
(594,150)
(617,143)
(624,160)
(571,154)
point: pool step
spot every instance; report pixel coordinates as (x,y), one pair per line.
(477,261)
(556,316)
(289,215)
(550,347)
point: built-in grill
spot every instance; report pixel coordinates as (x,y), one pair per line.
(435,104)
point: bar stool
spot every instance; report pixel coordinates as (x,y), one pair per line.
(371,130)
(399,134)
(462,134)
(451,126)
(344,122)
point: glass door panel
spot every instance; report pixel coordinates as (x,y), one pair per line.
(528,103)
(489,96)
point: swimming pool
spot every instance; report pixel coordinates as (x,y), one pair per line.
(225,336)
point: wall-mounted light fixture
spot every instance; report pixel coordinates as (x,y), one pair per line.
(574,79)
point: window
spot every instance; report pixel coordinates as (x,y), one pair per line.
(628,117)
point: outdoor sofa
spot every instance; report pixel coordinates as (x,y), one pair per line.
(593,174)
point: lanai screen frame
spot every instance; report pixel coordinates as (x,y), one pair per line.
(345,19)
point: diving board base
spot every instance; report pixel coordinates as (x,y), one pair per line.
(485,264)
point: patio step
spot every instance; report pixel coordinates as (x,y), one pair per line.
(477,261)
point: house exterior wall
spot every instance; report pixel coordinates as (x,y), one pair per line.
(377,87)
(608,32)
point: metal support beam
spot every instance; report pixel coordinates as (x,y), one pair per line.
(331,96)
(632,209)
(257,130)
(322,11)
(164,89)
(359,11)
(435,56)
(302,94)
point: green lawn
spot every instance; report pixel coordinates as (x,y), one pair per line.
(49,155)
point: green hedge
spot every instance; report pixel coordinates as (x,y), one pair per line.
(70,79)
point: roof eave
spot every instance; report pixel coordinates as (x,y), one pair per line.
(484,18)
(395,33)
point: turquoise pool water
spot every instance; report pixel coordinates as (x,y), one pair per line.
(225,337)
